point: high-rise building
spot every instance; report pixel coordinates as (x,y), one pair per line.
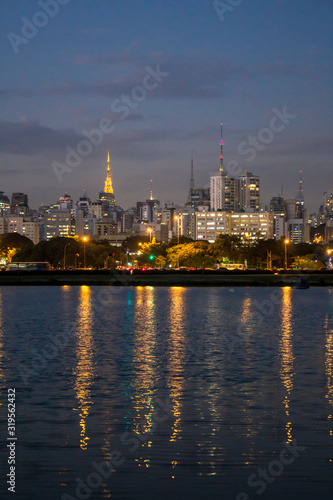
(229,193)
(95,209)
(248,192)
(149,209)
(20,225)
(107,196)
(298,226)
(127,221)
(200,197)
(184,222)
(247,226)
(4,204)
(106,227)
(222,187)
(19,205)
(59,223)
(277,207)
(328,204)
(299,201)
(84,204)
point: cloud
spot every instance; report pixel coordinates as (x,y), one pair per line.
(189,78)
(288,70)
(30,138)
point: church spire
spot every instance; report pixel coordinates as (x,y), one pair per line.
(108,182)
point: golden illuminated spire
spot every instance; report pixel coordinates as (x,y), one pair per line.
(108,182)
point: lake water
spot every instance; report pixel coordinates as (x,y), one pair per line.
(168,393)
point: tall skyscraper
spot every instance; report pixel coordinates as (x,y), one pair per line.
(300,199)
(328,203)
(248,192)
(107,196)
(222,186)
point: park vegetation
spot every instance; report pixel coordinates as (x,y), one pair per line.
(138,251)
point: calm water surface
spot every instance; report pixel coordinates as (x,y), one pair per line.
(190,392)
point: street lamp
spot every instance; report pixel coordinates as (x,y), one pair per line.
(329,253)
(84,251)
(65,255)
(285,254)
(149,231)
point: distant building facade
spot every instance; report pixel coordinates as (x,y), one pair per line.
(247,226)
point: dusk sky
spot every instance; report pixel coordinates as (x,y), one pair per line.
(234,67)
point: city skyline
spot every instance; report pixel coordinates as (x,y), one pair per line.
(108,181)
(185,69)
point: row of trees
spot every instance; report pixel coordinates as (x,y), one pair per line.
(229,249)
(139,250)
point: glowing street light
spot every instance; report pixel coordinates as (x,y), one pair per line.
(329,260)
(285,254)
(149,231)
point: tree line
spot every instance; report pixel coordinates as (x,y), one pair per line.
(139,251)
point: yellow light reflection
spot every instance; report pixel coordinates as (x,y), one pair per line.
(286,355)
(246,310)
(329,365)
(176,355)
(1,344)
(84,371)
(144,362)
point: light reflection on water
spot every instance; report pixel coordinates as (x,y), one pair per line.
(328,326)
(2,381)
(176,358)
(230,410)
(286,356)
(144,365)
(84,369)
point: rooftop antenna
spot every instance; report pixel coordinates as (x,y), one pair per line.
(151,189)
(300,189)
(221,153)
(191,180)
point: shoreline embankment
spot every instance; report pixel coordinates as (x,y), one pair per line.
(163,278)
